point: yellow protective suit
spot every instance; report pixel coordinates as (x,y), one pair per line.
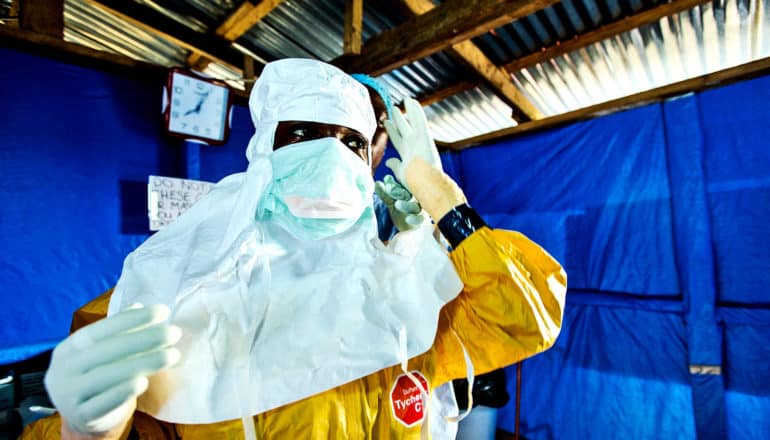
(510,308)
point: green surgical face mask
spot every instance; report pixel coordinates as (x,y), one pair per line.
(319,189)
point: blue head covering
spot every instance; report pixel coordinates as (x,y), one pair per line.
(378,86)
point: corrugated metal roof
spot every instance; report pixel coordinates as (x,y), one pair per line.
(5,8)
(706,39)
(312,29)
(93,27)
(715,36)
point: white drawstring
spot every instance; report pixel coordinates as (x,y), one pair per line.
(469,375)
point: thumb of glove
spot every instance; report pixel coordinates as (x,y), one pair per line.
(397,167)
(382,193)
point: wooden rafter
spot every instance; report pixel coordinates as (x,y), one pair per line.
(354,20)
(452,22)
(445,92)
(608,31)
(496,78)
(715,79)
(59,49)
(153,22)
(243,18)
(603,33)
(43,16)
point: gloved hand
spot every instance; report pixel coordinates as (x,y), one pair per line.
(419,168)
(409,134)
(403,208)
(97,372)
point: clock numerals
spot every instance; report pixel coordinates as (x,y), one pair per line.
(198,108)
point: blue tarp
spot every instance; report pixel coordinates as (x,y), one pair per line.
(659,215)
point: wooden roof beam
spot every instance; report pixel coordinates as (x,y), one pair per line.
(452,22)
(716,79)
(56,48)
(607,31)
(156,23)
(498,79)
(444,92)
(354,20)
(243,18)
(43,17)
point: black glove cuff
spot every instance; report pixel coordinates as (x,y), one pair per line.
(459,223)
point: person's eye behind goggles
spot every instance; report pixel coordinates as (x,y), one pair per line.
(294,132)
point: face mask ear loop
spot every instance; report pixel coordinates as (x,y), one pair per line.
(469,375)
(424,393)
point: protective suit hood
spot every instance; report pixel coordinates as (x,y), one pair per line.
(296,89)
(269,318)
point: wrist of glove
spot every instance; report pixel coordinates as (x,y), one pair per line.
(97,372)
(404,210)
(437,193)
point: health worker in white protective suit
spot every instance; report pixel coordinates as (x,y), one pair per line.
(272,310)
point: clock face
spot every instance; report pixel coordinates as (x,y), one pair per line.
(198,108)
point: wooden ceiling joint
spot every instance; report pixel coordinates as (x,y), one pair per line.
(454,21)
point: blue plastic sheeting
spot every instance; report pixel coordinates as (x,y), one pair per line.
(736,125)
(595,194)
(669,199)
(76,151)
(78,145)
(747,380)
(613,374)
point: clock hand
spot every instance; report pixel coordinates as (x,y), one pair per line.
(197,107)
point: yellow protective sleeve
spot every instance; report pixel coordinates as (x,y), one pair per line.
(50,428)
(510,309)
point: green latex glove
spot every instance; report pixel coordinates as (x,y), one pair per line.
(98,371)
(403,208)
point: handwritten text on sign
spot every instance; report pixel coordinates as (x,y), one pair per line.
(169,197)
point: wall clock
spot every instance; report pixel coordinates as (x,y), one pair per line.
(196,108)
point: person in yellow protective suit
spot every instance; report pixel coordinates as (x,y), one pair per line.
(397,211)
(510,308)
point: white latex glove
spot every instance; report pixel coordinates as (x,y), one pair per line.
(97,372)
(404,209)
(411,137)
(420,168)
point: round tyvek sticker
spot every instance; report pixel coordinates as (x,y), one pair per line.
(406,400)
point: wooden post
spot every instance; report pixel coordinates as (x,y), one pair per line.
(43,16)
(354,19)
(248,72)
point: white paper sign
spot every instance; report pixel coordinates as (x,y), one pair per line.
(169,197)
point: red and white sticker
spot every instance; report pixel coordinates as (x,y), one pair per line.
(406,399)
